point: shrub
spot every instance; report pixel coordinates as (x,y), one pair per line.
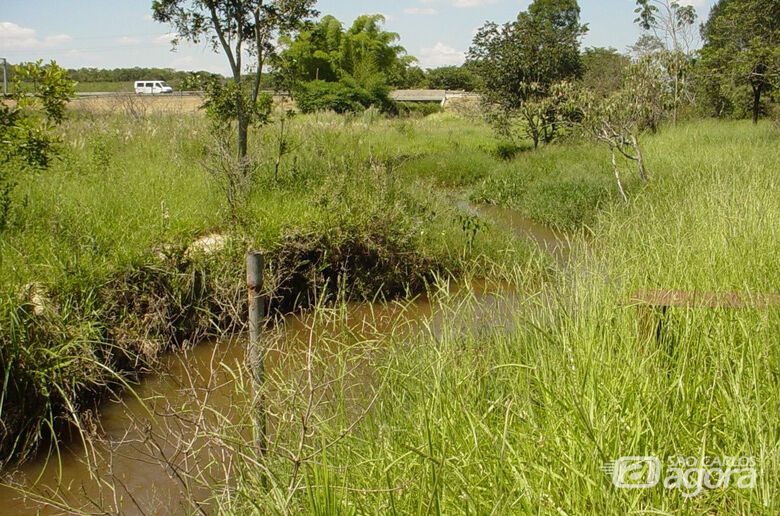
(422,109)
(27,122)
(343,96)
(506,150)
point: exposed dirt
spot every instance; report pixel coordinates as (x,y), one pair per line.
(180,295)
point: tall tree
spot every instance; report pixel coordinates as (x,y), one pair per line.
(520,62)
(326,51)
(240,28)
(368,49)
(604,69)
(672,26)
(669,21)
(314,53)
(742,45)
(452,78)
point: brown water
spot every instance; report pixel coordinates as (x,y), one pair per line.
(136,464)
(552,241)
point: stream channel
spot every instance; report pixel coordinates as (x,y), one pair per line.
(125,459)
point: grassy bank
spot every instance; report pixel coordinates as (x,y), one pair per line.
(521,420)
(562,186)
(125,247)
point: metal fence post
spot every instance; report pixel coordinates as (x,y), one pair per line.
(256,305)
(5,77)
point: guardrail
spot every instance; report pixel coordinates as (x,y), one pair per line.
(443,94)
(88,94)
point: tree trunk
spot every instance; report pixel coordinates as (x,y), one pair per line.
(532,129)
(281,150)
(639,161)
(243,132)
(676,98)
(617,175)
(756,103)
(242,119)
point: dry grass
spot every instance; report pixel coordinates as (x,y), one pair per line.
(122,104)
(131,104)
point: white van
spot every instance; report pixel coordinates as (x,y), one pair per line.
(152,87)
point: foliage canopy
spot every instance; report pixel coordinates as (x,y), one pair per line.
(742,49)
(37,104)
(520,64)
(326,51)
(236,27)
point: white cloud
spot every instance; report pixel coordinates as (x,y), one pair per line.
(15,36)
(125,40)
(695,3)
(387,17)
(472,3)
(53,41)
(421,11)
(165,39)
(146,17)
(440,55)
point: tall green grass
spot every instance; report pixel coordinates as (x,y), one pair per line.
(519,419)
(123,186)
(96,259)
(469,414)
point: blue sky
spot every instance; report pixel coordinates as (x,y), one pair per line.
(114,33)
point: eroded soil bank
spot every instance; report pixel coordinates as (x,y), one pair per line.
(130,464)
(92,341)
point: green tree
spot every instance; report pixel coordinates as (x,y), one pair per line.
(412,77)
(742,46)
(619,118)
(452,78)
(314,53)
(328,67)
(670,22)
(39,94)
(238,27)
(326,51)
(180,80)
(520,62)
(604,69)
(672,28)
(616,121)
(367,49)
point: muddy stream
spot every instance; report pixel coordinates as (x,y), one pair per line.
(136,431)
